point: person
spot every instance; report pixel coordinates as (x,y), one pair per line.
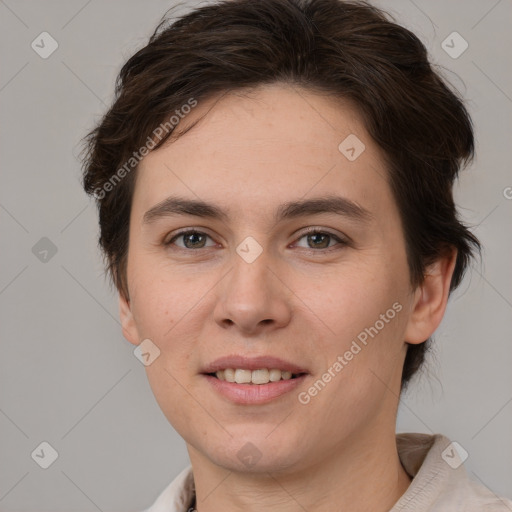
(274,184)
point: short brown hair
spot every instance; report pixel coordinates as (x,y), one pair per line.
(347,49)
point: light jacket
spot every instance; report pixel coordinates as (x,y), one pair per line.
(440,482)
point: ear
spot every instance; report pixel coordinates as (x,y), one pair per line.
(130,331)
(430,299)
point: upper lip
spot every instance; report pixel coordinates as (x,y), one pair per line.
(252,363)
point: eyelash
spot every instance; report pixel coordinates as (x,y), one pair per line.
(311,231)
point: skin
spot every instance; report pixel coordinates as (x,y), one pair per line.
(298,300)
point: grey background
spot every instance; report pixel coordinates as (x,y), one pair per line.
(68,377)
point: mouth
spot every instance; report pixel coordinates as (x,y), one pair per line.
(255,381)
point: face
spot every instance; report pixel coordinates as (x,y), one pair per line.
(320,291)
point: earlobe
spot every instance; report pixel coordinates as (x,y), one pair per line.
(430,299)
(127,321)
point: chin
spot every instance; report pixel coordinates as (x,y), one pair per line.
(255,454)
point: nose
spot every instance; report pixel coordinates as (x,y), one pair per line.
(253,297)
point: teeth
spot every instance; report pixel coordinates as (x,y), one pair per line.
(229,374)
(243,376)
(274,375)
(261,376)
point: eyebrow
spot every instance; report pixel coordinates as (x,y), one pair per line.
(175,205)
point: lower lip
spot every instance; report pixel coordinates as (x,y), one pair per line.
(250,394)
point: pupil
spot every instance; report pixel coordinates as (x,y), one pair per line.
(319,235)
(188,237)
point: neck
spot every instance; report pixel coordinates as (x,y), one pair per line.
(363,474)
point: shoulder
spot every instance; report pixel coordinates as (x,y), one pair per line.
(439,479)
(177,496)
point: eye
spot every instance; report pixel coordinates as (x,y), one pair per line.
(192,239)
(317,239)
(320,239)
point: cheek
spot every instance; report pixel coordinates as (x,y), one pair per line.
(356,296)
(361,364)
(365,311)
(161,298)
(179,405)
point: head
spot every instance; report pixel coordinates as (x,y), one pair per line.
(239,111)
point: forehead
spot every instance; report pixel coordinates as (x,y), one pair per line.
(250,148)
